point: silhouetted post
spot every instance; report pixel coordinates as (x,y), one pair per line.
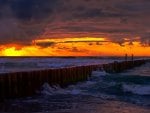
(126,57)
(132,57)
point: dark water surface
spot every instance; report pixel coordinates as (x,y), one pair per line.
(127,92)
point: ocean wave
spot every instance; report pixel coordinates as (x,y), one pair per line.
(98,73)
(137,89)
(56,90)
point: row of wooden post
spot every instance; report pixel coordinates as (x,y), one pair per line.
(22,84)
(118,67)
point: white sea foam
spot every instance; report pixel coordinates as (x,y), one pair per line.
(137,89)
(48,90)
(98,73)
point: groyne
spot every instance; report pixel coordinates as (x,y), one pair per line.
(27,83)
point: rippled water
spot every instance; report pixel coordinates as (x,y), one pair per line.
(23,64)
(127,92)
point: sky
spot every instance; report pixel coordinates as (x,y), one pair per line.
(74,27)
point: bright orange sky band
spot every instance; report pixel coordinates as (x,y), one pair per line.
(87,46)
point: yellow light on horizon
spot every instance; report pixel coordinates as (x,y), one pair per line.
(12,52)
(87,46)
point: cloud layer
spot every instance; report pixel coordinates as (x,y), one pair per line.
(22,21)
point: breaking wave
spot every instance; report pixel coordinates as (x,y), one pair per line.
(131,88)
(137,89)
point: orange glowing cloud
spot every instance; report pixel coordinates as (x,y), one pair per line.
(65,40)
(87,46)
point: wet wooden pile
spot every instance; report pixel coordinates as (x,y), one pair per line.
(22,84)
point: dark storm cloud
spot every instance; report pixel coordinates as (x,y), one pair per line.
(24,20)
(32,9)
(28,9)
(45,44)
(97,13)
(92,29)
(134,6)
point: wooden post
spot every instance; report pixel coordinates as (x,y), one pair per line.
(132,57)
(126,57)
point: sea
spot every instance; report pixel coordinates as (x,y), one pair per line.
(126,92)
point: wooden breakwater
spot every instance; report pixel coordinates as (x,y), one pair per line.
(22,84)
(117,67)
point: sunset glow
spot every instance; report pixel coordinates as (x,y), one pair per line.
(75,56)
(11,52)
(75,47)
(74,28)
(65,40)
